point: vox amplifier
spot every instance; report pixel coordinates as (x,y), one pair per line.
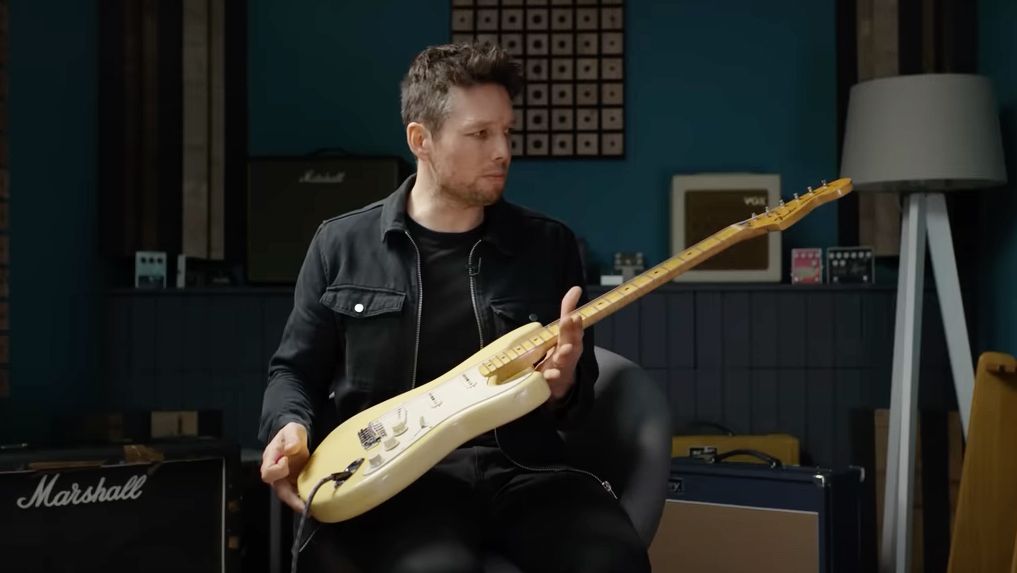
(702,204)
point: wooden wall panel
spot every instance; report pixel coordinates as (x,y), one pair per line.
(204,134)
(5,334)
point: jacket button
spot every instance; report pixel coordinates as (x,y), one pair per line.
(358,307)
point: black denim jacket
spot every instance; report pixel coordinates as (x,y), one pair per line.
(353,332)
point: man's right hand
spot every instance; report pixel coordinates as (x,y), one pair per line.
(282,461)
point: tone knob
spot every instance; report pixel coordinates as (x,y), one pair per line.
(399,427)
(375,461)
(390,443)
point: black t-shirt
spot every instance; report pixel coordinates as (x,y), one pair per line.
(449,332)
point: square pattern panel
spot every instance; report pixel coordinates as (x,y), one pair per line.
(573,57)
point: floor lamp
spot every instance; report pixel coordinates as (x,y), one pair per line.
(921,135)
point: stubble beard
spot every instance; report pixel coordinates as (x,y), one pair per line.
(468,194)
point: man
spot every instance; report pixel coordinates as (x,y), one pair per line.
(399,292)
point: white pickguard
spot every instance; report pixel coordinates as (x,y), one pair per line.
(419,415)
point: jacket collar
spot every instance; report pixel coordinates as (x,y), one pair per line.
(501,220)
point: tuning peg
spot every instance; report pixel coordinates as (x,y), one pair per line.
(824,182)
(766,209)
(781,203)
(810,189)
(796,196)
(753,215)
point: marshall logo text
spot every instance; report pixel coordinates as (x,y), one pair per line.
(45,496)
(311,176)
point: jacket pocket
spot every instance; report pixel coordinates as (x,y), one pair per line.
(373,322)
(363,302)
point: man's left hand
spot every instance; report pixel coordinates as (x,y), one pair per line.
(559,368)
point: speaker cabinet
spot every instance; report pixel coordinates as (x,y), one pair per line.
(289,197)
(751,518)
(155,508)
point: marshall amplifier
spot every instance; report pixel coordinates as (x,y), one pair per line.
(157,507)
(287,198)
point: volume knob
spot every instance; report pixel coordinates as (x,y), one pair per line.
(400,425)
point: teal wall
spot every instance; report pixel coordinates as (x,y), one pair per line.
(997,280)
(740,85)
(53,280)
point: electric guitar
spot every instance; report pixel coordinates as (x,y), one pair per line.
(377,453)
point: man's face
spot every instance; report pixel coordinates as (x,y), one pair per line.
(470,156)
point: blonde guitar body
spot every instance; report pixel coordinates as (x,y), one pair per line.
(385,448)
(403,437)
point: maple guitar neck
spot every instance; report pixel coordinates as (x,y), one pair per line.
(771,220)
(509,362)
(635,288)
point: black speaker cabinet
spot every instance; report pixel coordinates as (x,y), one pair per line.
(288,197)
(750,518)
(157,507)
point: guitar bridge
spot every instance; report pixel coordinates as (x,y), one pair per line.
(371,435)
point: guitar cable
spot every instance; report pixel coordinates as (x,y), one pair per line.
(555,468)
(338,478)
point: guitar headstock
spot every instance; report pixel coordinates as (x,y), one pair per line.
(788,213)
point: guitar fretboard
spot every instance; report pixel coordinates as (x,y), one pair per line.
(624,294)
(614,300)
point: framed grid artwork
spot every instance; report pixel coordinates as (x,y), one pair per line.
(573,58)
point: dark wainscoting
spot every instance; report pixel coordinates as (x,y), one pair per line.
(758,358)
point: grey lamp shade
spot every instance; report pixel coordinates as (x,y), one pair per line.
(928,132)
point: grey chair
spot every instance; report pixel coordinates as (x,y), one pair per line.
(626,440)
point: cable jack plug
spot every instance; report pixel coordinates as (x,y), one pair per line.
(607,487)
(339,477)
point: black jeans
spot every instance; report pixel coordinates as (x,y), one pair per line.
(474,504)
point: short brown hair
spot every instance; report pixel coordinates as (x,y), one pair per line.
(435,70)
